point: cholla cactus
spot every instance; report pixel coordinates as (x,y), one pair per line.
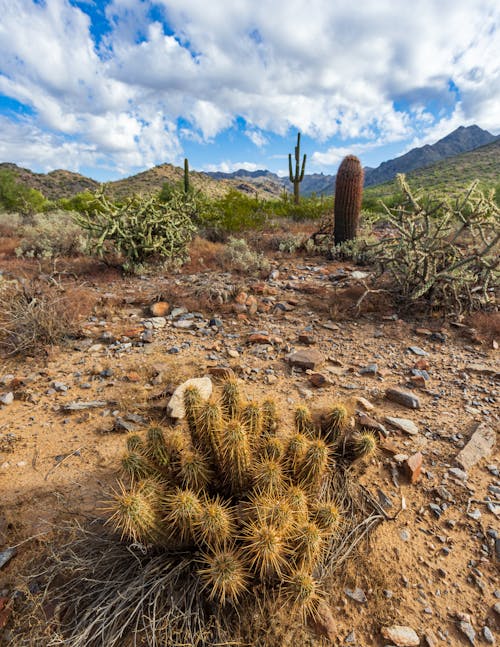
(249,500)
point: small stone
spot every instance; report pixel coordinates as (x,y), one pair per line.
(259,338)
(401,636)
(365,420)
(132,376)
(305,359)
(6,556)
(479,446)
(408,426)
(418,351)
(414,467)
(232,353)
(435,509)
(356,594)
(306,339)
(7,398)
(160,309)
(365,404)
(488,636)
(468,630)
(177,312)
(175,407)
(422,364)
(370,369)
(318,380)
(252,305)
(430,638)
(158,322)
(221,372)
(458,473)
(184,324)
(405,398)
(241,298)
(475,514)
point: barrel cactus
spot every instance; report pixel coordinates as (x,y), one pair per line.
(348,197)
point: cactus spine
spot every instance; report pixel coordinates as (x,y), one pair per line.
(348,197)
(297,177)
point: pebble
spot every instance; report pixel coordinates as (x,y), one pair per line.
(305,359)
(479,446)
(404,398)
(418,351)
(488,636)
(401,636)
(408,426)
(356,594)
(7,398)
(468,630)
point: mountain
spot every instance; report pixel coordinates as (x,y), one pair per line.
(461,140)
(54,185)
(64,184)
(451,175)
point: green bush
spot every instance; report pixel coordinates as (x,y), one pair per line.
(17,197)
(237,255)
(50,235)
(141,230)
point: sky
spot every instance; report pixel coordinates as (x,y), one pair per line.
(109,89)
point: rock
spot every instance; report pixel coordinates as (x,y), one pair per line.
(401,636)
(258,338)
(408,426)
(430,638)
(418,351)
(323,623)
(232,353)
(404,398)
(305,359)
(241,298)
(329,325)
(252,305)
(414,467)
(184,324)
(483,369)
(158,322)
(364,403)
(356,594)
(221,372)
(458,473)
(422,364)
(359,275)
(159,309)
(6,556)
(318,380)
(7,398)
(468,630)
(306,339)
(175,407)
(479,446)
(81,406)
(488,636)
(370,369)
(370,423)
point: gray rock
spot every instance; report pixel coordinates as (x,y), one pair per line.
(408,426)
(488,636)
(479,446)
(404,398)
(468,630)
(7,398)
(401,636)
(458,473)
(175,407)
(6,556)
(185,324)
(356,594)
(418,351)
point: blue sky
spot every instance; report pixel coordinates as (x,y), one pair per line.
(112,88)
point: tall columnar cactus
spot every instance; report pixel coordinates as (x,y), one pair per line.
(251,502)
(297,177)
(348,197)
(186,175)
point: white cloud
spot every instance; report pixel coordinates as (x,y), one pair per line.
(364,72)
(230,167)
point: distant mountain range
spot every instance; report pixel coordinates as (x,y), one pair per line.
(461,140)
(64,184)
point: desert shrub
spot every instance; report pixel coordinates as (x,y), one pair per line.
(360,250)
(213,520)
(238,255)
(35,315)
(51,234)
(80,202)
(289,243)
(10,223)
(140,229)
(16,196)
(442,252)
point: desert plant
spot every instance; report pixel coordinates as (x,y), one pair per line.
(50,235)
(237,255)
(442,252)
(186,175)
(297,177)
(140,229)
(34,315)
(348,198)
(267,526)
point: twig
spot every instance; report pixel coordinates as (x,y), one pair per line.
(54,467)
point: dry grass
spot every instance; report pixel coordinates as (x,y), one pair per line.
(204,255)
(486,323)
(34,315)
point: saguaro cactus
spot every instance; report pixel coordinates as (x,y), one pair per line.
(348,196)
(186,175)
(297,177)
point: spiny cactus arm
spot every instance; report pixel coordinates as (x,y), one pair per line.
(290,169)
(303,168)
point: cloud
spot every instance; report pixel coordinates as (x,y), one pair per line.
(230,167)
(378,72)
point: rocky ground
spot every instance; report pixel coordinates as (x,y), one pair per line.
(430,389)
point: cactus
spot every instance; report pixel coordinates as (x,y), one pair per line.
(186,175)
(348,197)
(297,177)
(230,487)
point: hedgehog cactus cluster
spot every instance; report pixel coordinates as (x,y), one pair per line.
(249,500)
